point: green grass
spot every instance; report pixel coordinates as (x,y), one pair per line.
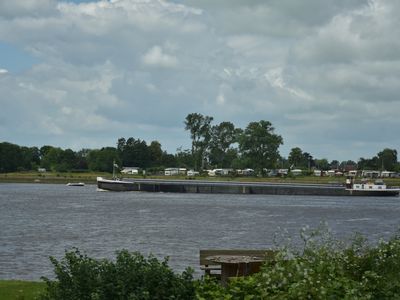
(51,177)
(20,290)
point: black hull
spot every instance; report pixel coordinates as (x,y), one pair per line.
(381,193)
(210,187)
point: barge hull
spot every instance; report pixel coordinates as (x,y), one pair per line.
(210,187)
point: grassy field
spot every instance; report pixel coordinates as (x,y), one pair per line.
(20,290)
(51,177)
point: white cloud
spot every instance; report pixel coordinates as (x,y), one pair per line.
(220,99)
(156,57)
(137,68)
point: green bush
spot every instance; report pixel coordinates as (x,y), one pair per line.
(323,269)
(131,276)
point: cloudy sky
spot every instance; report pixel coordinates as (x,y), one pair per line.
(81,74)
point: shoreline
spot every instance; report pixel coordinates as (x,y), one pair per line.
(91,178)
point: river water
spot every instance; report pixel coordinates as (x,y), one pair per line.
(42,220)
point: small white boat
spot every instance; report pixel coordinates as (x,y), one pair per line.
(76,184)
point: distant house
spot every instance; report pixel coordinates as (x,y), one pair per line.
(296,172)
(220,172)
(282,172)
(331,172)
(317,173)
(387,174)
(352,173)
(174,171)
(192,173)
(271,173)
(245,172)
(130,170)
(41,170)
(370,174)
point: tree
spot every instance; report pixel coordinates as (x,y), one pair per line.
(102,160)
(156,154)
(222,137)
(200,133)
(348,165)
(184,158)
(81,159)
(296,157)
(67,161)
(388,159)
(308,160)
(168,160)
(259,144)
(322,164)
(44,150)
(133,152)
(10,157)
(30,158)
(334,165)
(51,157)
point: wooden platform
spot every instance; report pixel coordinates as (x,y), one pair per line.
(223,264)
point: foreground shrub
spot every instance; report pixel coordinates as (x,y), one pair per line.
(323,269)
(131,276)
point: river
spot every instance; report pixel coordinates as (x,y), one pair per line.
(42,220)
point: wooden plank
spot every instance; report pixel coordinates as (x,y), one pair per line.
(267,253)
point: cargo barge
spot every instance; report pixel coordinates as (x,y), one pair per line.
(235,187)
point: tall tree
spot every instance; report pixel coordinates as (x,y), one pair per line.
(348,165)
(10,157)
(136,153)
(81,159)
(102,160)
(156,154)
(200,133)
(296,157)
(184,158)
(68,160)
(388,159)
(259,144)
(334,165)
(308,160)
(222,137)
(30,158)
(322,164)
(51,158)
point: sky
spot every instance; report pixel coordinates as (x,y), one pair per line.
(81,74)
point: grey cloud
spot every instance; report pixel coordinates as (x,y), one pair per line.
(27,8)
(321,71)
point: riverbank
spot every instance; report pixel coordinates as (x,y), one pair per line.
(90,178)
(50,177)
(16,289)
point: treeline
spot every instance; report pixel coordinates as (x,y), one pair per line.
(383,160)
(212,146)
(129,153)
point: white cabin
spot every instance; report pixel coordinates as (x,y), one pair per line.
(317,173)
(296,172)
(174,171)
(130,170)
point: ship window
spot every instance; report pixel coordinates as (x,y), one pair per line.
(379,187)
(370,187)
